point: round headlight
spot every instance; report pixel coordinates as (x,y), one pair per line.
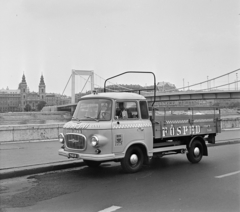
(94,141)
(61,138)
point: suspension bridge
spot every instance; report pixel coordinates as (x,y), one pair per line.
(226,86)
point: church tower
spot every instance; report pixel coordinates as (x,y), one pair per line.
(23,92)
(42,89)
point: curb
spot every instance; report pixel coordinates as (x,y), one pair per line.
(37,169)
(221,143)
(29,141)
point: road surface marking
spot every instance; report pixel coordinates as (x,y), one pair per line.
(110,209)
(227,175)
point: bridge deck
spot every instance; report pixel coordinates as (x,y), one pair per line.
(202,95)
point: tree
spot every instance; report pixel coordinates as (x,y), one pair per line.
(216,104)
(234,105)
(40,105)
(28,108)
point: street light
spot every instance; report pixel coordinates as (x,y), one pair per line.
(207,84)
(236,81)
(228,82)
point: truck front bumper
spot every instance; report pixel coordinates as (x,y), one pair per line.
(95,157)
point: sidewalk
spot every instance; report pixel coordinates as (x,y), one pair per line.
(25,158)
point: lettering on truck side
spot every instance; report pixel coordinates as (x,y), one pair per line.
(181,130)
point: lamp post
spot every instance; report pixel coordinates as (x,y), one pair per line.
(236,81)
(207,84)
(228,82)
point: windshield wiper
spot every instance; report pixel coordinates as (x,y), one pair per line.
(74,118)
(89,117)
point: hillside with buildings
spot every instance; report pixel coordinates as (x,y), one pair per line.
(161,87)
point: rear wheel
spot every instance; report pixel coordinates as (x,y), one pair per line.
(195,152)
(92,164)
(133,160)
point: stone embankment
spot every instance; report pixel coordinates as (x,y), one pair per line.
(27,126)
(25,118)
(228,123)
(32,132)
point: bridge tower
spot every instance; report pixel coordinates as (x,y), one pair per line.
(81,72)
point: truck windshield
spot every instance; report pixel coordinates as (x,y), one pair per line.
(93,110)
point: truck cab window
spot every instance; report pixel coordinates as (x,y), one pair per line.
(126,110)
(93,109)
(144,109)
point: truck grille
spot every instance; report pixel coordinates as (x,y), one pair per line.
(75,141)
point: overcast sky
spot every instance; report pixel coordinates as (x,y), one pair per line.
(176,39)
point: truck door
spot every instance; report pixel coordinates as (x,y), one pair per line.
(146,124)
(127,126)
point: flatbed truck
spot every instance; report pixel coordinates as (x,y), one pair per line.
(124,127)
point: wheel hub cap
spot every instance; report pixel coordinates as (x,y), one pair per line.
(133,159)
(196,151)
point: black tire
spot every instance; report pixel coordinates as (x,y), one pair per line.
(133,160)
(92,164)
(195,152)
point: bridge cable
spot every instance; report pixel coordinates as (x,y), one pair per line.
(85,84)
(66,84)
(220,86)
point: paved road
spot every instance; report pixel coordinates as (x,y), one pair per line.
(231,134)
(167,184)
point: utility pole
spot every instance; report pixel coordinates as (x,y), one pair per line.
(236,81)
(207,84)
(228,82)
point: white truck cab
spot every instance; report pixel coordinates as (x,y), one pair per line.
(109,126)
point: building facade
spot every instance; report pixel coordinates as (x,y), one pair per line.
(22,99)
(10,100)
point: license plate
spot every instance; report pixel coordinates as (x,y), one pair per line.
(72,155)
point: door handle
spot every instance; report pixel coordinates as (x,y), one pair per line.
(141,129)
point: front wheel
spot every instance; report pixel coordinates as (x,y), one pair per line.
(195,152)
(92,164)
(133,160)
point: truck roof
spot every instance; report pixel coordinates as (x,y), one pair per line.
(116,95)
